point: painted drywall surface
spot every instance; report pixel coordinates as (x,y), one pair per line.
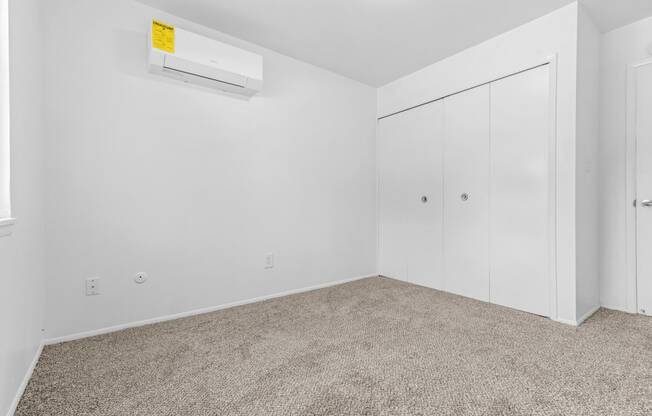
(587,222)
(620,48)
(552,35)
(5,204)
(21,254)
(192,187)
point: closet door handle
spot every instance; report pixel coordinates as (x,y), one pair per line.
(647,203)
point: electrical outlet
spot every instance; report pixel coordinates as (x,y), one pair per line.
(93,286)
(140,278)
(269,260)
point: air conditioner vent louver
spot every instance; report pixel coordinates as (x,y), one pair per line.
(199,60)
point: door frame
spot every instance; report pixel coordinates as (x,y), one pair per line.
(553,206)
(631,246)
(553,209)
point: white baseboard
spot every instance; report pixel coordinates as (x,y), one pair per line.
(566,321)
(619,308)
(588,314)
(581,320)
(135,324)
(23,384)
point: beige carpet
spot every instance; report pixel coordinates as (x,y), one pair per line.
(371,347)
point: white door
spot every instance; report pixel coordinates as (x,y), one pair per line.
(644,188)
(393,154)
(520,192)
(410,172)
(466,193)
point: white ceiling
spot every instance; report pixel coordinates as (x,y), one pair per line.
(612,14)
(378,41)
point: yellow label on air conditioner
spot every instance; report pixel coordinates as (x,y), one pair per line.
(162,36)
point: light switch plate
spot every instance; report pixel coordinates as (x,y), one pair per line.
(269,260)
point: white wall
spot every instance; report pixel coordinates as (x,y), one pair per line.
(528,45)
(587,180)
(21,273)
(620,48)
(193,187)
(5,196)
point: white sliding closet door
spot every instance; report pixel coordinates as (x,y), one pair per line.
(393,157)
(466,193)
(644,188)
(520,191)
(410,166)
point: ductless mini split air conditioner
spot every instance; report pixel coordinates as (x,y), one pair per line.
(199,60)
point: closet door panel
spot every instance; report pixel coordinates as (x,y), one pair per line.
(410,168)
(466,193)
(519,207)
(425,195)
(393,163)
